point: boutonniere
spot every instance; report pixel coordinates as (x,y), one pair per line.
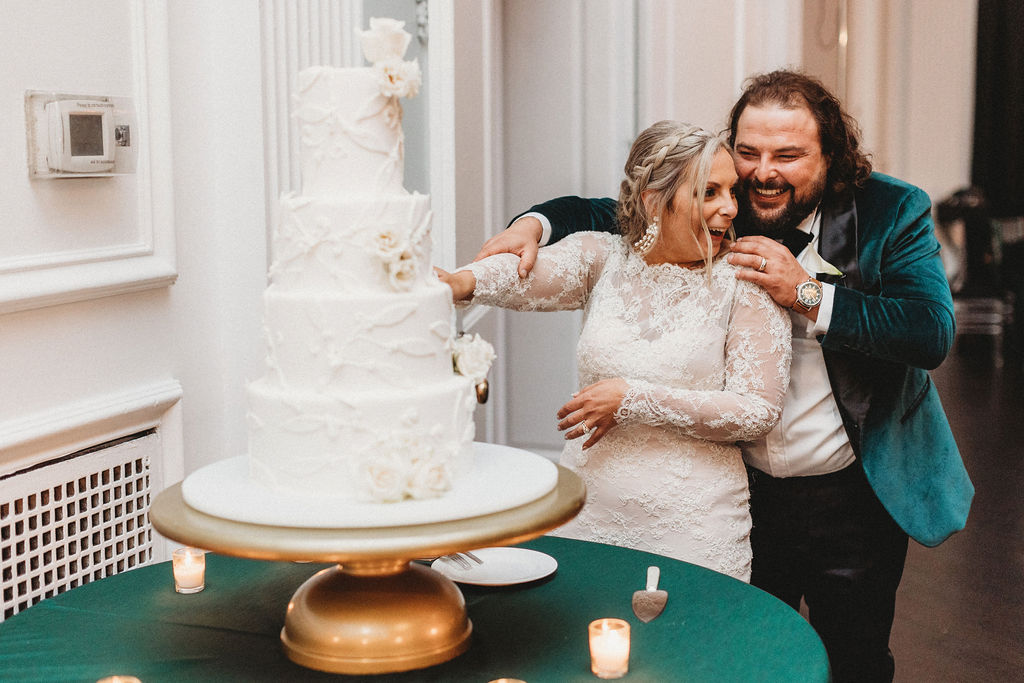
(820,265)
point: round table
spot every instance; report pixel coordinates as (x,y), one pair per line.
(714,628)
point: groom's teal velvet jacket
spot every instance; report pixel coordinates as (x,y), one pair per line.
(892,321)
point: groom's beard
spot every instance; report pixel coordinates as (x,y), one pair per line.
(776,222)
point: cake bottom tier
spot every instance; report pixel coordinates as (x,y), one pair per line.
(373,446)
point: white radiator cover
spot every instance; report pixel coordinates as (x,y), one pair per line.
(76,519)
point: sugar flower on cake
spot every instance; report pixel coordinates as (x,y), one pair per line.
(384,46)
(388,246)
(402,271)
(398,78)
(472,357)
(382,477)
(429,476)
(407,463)
(385,40)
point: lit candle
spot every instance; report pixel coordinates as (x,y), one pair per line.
(609,648)
(189,566)
(119,679)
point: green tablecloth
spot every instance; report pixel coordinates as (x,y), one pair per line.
(714,628)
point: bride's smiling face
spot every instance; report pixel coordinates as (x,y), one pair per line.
(682,238)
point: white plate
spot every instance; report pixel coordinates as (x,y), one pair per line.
(501,567)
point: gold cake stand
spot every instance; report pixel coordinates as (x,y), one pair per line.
(376,611)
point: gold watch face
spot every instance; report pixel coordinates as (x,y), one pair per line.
(809,294)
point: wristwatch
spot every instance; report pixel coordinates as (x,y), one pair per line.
(808,295)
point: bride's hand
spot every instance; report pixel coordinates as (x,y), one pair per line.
(595,406)
(462,282)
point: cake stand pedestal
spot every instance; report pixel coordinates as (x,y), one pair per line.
(376,611)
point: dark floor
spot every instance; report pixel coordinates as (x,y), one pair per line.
(960,608)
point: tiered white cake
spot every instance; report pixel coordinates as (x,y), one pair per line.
(360,419)
(360,399)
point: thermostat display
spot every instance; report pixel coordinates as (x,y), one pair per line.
(81,135)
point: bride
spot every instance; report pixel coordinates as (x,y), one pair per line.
(678,359)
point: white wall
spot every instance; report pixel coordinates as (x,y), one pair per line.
(926,114)
(215,307)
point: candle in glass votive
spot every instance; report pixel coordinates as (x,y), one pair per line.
(189,566)
(609,648)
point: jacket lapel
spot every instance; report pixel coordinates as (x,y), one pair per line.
(839,241)
(838,244)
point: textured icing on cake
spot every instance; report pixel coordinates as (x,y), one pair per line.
(359,400)
(350,139)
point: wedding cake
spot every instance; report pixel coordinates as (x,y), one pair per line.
(366,395)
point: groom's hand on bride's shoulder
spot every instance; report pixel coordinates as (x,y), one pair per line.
(521,238)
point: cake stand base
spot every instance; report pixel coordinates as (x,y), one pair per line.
(377,611)
(344,621)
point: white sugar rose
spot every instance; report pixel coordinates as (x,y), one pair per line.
(429,478)
(398,79)
(382,478)
(402,272)
(388,246)
(472,357)
(385,40)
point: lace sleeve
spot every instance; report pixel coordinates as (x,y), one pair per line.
(757,356)
(561,280)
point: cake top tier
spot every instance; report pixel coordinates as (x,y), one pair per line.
(350,120)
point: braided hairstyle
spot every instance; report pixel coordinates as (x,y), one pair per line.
(663,158)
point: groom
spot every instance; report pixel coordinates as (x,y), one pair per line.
(863,455)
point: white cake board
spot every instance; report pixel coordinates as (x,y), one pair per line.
(501,478)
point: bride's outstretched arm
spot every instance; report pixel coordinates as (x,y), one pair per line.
(561,280)
(757,357)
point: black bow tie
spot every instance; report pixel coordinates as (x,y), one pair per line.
(795,240)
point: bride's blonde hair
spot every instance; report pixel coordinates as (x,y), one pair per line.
(662,159)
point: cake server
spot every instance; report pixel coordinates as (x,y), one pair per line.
(649,603)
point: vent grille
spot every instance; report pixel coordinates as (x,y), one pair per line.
(75,520)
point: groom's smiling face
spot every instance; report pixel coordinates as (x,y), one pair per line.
(781,166)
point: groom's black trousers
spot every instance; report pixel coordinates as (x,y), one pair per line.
(828,540)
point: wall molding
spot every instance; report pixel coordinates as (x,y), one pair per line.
(441,121)
(149,262)
(64,429)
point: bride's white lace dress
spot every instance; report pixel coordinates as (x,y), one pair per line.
(707,366)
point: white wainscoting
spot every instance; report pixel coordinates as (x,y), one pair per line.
(30,440)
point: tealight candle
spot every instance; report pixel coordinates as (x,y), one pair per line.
(609,648)
(189,566)
(119,679)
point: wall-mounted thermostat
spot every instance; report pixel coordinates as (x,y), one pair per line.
(81,135)
(74,136)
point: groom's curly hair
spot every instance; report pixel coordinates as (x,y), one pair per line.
(848,166)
